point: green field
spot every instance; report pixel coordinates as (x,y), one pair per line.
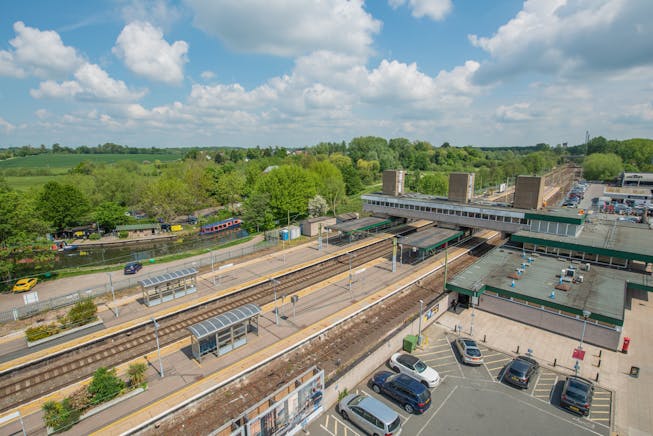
(56,165)
(66,161)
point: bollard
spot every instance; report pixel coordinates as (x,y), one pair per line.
(517,349)
(600,352)
(598,365)
(597,377)
(555,361)
(484,337)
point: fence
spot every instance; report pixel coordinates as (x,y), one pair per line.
(70,299)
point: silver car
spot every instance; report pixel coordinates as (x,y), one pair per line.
(469,351)
(370,415)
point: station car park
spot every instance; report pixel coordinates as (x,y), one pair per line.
(476,399)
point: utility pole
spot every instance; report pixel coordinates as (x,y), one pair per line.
(113,296)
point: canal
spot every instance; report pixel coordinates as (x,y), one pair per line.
(121,253)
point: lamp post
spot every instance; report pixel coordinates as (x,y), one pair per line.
(275,282)
(586,314)
(401,254)
(158,349)
(113,295)
(351,256)
(419,325)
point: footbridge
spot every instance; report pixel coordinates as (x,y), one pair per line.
(493,216)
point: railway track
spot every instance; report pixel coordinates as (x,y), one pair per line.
(31,381)
(334,352)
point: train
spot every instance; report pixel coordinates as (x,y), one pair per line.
(220,226)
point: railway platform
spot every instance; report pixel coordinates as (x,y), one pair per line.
(318,307)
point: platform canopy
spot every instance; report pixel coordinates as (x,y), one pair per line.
(224,321)
(167,277)
(363,224)
(430,238)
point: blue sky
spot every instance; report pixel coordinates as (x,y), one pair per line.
(298,72)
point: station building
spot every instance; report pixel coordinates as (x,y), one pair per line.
(558,266)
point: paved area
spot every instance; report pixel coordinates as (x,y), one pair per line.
(631,406)
(473,400)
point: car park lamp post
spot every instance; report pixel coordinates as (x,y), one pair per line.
(586,314)
(113,296)
(158,349)
(419,325)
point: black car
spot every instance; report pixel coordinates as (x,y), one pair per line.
(520,371)
(577,395)
(133,267)
(413,396)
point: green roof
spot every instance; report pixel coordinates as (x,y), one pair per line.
(602,290)
(133,227)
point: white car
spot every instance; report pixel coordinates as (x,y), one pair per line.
(415,368)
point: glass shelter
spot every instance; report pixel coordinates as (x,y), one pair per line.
(224,332)
(168,286)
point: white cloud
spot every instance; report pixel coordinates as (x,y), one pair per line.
(8,67)
(289,28)
(514,112)
(92,84)
(208,75)
(570,38)
(52,89)
(434,9)
(6,125)
(144,50)
(42,53)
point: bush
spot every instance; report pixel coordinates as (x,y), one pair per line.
(123,234)
(136,374)
(94,237)
(82,313)
(43,331)
(60,416)
(105,385)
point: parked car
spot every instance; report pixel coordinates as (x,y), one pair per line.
(370,415)
(415,368)
(520,371)
(469,351)
(577,395)
(133,267)
(25,284)
(413,396)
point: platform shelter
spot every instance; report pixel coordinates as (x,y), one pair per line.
(428,242)
(168,286)
(224,332)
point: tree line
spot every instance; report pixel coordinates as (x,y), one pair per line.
(265,186)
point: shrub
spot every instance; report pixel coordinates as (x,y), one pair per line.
(82,313)
(60,416)
(136,374)
(80,399)
(94,237)
(43,331)
(123,234)
(105,385)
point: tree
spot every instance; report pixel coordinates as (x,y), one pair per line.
(600,166)
(230,188)
(62,205)
(105,385)
(257,212)
(434,184)
(109,215)
(317,206)
(136,373)
(330,184)
(289,188)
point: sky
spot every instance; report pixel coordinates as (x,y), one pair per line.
(295,73)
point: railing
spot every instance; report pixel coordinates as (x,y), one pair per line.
(211,258)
